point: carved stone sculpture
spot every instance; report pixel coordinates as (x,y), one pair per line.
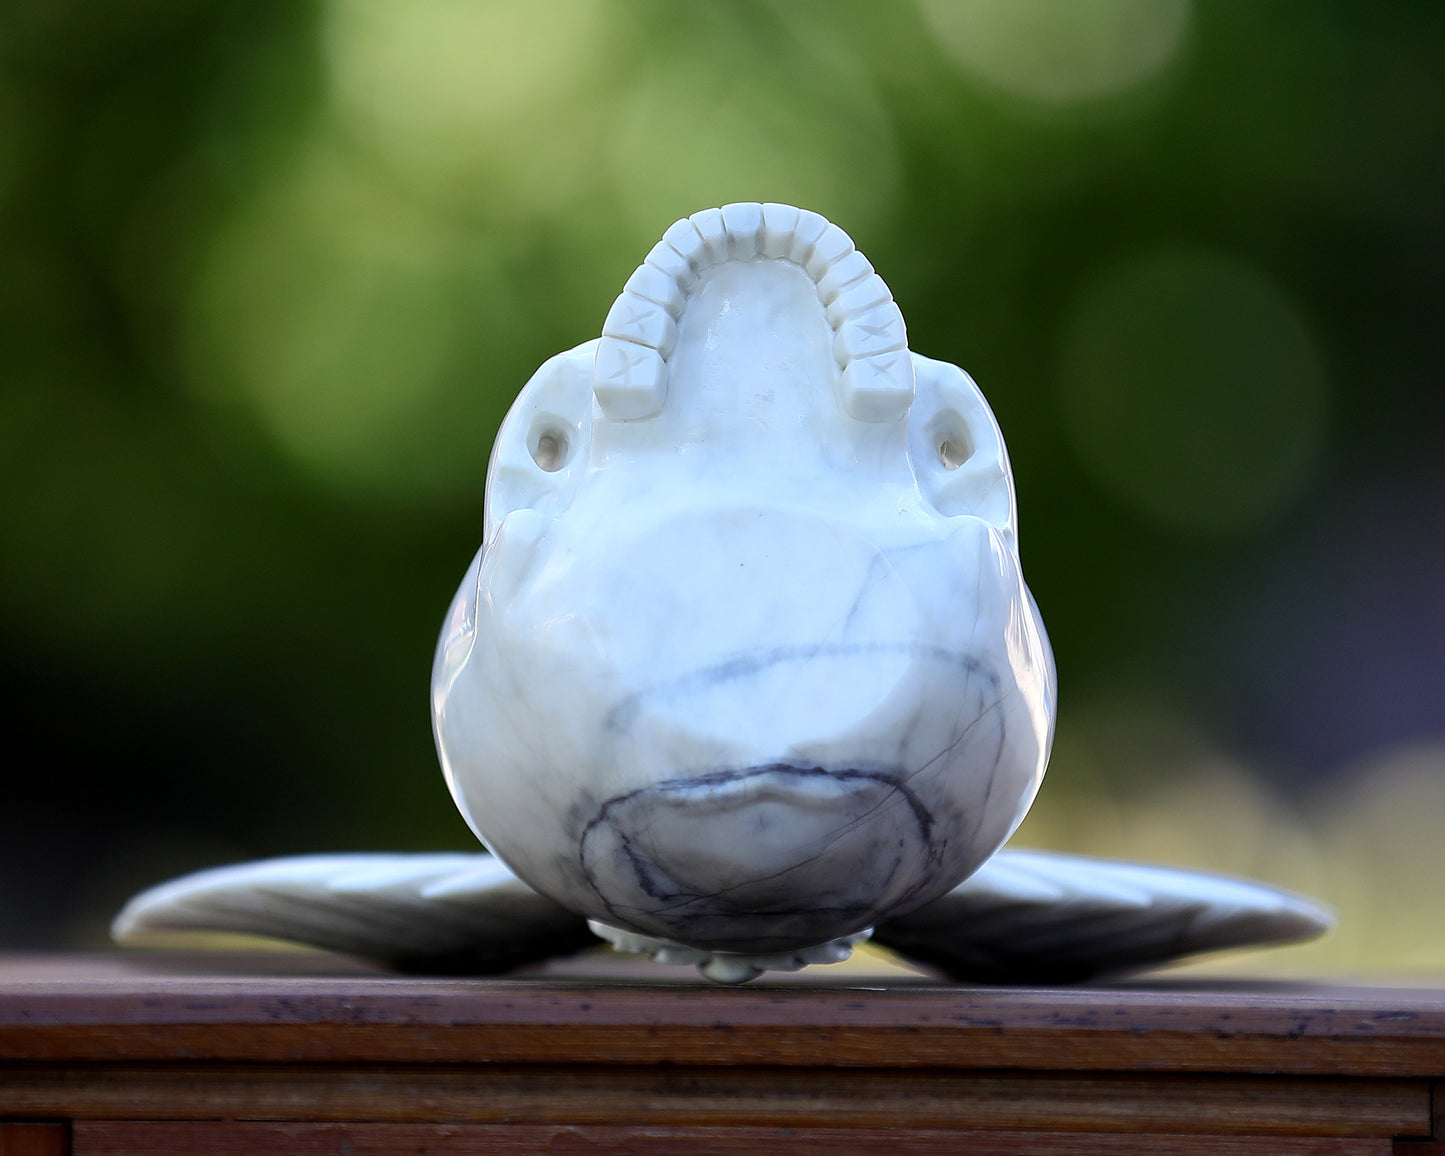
(746,669)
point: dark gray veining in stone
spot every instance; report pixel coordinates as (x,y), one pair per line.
(769,858)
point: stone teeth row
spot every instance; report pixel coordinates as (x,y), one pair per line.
(640,333)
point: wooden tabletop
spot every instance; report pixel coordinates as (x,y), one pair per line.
(169,1055)
(309,1008)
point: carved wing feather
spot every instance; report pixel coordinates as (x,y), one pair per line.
(1041,917)
(450,913)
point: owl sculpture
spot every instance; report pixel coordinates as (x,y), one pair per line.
(745,670)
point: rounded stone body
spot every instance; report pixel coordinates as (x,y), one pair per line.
(747,661)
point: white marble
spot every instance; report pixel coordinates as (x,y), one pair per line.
(1023,917)
(1042,917)
(746,661)
(727,966)
(452,912)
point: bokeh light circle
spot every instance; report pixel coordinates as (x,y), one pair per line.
(1193,391)
(1057,54)
(485,105)
(331,312)
(710,129)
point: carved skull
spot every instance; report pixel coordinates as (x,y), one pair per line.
(746,662)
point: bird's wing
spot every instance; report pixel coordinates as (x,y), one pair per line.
(450,913)
(1024,917)
(1040,917)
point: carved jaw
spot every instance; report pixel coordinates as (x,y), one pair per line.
(747,663)
(869,341)
(727,966)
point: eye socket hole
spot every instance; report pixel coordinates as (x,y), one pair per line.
(950,440)
(549,449)
(952,453)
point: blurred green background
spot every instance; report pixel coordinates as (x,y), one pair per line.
(271,272)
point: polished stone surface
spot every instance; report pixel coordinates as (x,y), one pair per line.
(1023,917)
(747,661)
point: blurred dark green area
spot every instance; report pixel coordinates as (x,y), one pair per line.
(270,274)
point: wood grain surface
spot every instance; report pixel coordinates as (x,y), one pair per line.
(126,1054)
(24,1138)
(144,1009)
(886,1098)
(125,1139)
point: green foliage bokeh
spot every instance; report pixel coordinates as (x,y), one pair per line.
(271,273)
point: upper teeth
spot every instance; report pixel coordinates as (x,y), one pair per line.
(870,342)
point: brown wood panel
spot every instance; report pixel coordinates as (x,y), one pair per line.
(124,1138)
(28,1138)
(141,1011)
(676,1096)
